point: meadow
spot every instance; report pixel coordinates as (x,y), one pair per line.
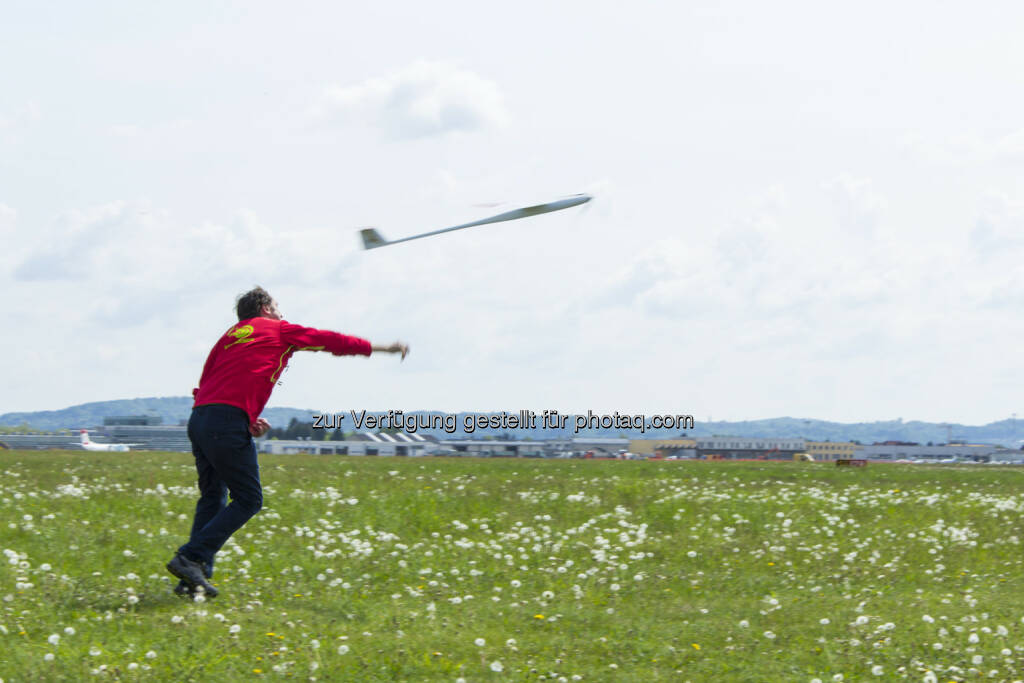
(398,569)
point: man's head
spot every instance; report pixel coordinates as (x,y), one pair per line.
(257,303)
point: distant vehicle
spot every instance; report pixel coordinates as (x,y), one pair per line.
(115,447)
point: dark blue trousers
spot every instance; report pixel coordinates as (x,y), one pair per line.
(226,463)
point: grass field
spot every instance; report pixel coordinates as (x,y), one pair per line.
(389,569)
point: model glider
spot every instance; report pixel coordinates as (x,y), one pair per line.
(373,239)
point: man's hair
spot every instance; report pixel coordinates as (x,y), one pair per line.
(250,304)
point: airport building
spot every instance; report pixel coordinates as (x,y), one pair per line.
(747,448)
(368,443)
(831,450)
(961,452)
(664,448)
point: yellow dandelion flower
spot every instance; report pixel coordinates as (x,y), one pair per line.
(695,646)
(538,616)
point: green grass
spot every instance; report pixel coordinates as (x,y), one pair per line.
(574,570)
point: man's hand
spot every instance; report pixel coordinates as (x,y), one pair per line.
(259,427)
(397,347)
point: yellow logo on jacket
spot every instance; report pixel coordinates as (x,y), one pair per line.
(242,335)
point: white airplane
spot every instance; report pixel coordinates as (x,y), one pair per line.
(91,446)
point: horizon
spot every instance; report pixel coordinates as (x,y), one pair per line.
(697,419)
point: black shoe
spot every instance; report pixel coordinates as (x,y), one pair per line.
(192,574)
(184,590)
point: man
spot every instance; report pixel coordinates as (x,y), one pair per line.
(239,374)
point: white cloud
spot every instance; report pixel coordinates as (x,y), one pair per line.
(425,99)
(858,204)
(8,217)
(999,231)
(19,116)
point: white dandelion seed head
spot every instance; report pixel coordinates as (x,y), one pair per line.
(497,667)
(343,649)
(479,642)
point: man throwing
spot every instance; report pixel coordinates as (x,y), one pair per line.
(238,377)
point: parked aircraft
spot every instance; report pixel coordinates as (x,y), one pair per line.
(92,446)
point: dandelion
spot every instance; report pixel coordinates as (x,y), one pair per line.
(151,655)
(973,638)
(928,619)
(744,623)
(95,651)
(877,669)
(480,642)
(343,649)
(538,616)
(48,657)
(824,621)
(497,667)
(176,619)
(54,639)
(929,677)
(69,631)
(769,635)
(235,628)
(977,659)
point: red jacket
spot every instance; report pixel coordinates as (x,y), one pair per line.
(246,363)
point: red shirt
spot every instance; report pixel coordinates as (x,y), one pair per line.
(245,364)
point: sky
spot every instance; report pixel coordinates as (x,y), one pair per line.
(799,209)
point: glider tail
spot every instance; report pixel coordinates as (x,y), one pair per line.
(371,238)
